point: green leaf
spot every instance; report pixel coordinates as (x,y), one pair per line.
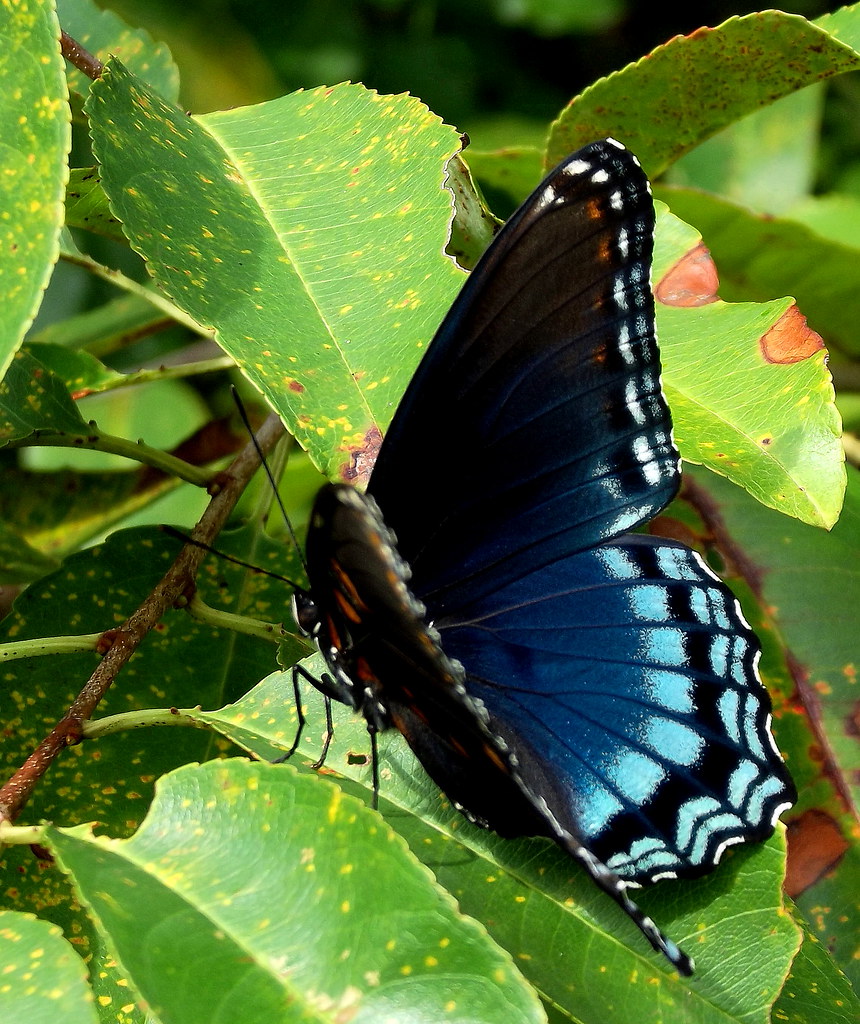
(811,583)
(762,256)
(80,372)
(318,928)
(19,561)
(36,137)
(44,979)
(105,34)
(34,399)
(694,85)
(59,511)
(113,778)
(307,231)
(574,945)
(87,205)
(766,161)
(767,422)
(507,176)
(816,992)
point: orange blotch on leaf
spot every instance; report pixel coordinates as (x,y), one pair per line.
(791,339)
(692,281)
(815,845)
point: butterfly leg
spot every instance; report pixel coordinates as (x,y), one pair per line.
(300,715)
(374,765)
(329,732)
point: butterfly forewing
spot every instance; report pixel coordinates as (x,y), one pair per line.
(539,414)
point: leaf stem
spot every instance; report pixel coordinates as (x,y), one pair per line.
(137,451)
(274,632)
(21,835)
(138,720)
(49,645)
(127,284)
(172,372)
(82,59)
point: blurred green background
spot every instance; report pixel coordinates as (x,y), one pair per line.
(497,69)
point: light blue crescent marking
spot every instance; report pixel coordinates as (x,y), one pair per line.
(674,566)
(674,741)
(770,786)
(720,612)
(725,822)
(669,690)
(649,603)
(741,782)
(646,853)
(729,709)
(739,649)
(750,709)
(664,646)
(701,608)
(689,813)
(720,653)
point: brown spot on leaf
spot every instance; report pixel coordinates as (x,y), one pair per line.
(362,458)
(791,339)
(692,281)
(296,386)
(815,846)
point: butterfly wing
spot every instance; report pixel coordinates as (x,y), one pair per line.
(623,682)
(539,400)
(554,674)
(388,663)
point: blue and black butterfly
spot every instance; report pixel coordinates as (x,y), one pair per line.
(554,673)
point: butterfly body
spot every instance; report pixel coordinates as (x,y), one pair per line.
(554,673)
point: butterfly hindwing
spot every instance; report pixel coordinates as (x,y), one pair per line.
(627,675)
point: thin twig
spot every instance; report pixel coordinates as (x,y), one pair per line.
(126,638)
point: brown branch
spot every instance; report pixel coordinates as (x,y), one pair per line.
(709,511)
(126,638)
(82,59)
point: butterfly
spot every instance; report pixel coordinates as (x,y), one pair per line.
(554,673)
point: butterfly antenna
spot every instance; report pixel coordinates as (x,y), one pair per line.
(265,464)
(186,539)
